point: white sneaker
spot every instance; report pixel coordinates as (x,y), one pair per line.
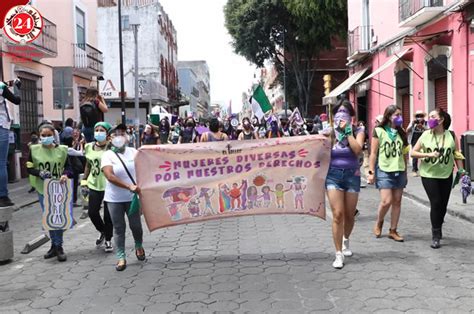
(108,247)
(345,247)
(339,261)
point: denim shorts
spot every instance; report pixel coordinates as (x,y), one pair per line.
(390,180)
(346,180)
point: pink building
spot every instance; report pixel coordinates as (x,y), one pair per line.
(418,54)
(64,62)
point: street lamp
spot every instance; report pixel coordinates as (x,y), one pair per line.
(134,24)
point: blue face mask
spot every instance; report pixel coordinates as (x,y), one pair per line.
(48,140)
(100,136)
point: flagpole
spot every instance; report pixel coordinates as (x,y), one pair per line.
(284,76)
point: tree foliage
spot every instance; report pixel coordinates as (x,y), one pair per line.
(261,28)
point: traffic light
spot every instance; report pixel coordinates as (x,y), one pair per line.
(327,83)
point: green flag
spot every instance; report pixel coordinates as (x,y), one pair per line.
(260,102)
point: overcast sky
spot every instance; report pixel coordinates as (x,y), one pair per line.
(202,36)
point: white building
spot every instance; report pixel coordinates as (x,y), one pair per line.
(194,83)
(157,56)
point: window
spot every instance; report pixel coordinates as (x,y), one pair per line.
(80,28)
(125,22)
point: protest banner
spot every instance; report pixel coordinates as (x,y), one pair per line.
(188,183)
(58,206)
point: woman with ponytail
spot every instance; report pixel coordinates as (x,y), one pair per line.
(438,150)
(387,168)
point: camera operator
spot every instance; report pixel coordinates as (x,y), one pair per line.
(5,122)
(415,129)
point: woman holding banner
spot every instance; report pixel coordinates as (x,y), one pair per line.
(343,179)
(94,181)
(48,160)
(387,168)
(119,170)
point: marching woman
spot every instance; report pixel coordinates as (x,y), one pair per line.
(48,160)
(119,170)
(94,181)
(215,134)
(387,168)
(343,179)
(247,132)
(438,150)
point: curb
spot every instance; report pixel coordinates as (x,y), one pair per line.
(17,208)
(451,212)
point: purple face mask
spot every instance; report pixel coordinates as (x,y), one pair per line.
(398,121)
(341,116)
(433,123)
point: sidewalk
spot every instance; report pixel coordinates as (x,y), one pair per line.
(18,193)
(415,191)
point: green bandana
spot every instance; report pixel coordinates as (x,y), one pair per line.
(392,133)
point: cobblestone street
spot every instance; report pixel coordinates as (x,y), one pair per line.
(251,264)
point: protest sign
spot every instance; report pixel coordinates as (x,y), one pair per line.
(57,213)
(196,182)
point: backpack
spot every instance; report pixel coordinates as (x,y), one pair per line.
(89,114)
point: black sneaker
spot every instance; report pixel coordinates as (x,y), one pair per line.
(5,201)
(61,255)
(100,239)
(51,253)
(32,190)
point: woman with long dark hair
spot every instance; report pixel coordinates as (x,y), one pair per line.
(438,150)
(215,134)
(387,168)
(343,179)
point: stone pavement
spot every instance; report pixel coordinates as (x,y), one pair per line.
(456,208)
(249,264)
(18,193)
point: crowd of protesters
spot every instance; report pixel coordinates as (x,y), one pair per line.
(99,158)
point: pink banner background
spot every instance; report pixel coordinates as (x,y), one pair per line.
(188,183)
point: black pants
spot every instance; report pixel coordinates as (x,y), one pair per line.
(75,186)
(438,191)
(415,165)
(104,226)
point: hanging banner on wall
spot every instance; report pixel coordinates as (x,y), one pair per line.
(188,183)
(58,206)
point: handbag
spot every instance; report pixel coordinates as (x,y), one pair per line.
(135,204)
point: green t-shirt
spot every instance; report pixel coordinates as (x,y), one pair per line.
(96,178)
(49,159)
(441,167)
(391,157)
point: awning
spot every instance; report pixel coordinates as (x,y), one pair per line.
(387,64)
(331,98)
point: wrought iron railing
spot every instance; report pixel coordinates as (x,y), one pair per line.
(48,39)
(408,8)
(359,39)
(88,58)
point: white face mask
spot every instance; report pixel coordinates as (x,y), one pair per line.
(119,141)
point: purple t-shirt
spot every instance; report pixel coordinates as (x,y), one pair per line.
(342,156)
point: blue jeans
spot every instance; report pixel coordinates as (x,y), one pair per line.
(55,235)
(345,180)
(390,180)
(88,134)
(3,162)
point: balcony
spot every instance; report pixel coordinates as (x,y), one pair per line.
(415,12)
(359,42)
(45,46)
(88,60)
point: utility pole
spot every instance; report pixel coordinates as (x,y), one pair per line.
(135,23)
(122,83)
